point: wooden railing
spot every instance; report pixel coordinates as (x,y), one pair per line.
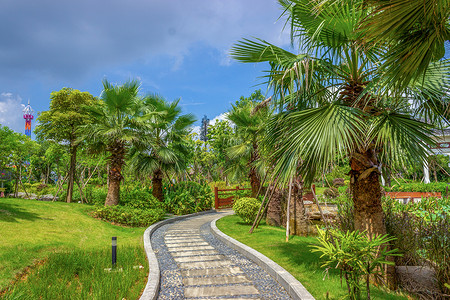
(227,201)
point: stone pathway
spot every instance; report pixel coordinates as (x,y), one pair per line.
(195,265)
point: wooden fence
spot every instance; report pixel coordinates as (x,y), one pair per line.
(227,201)
(406,197)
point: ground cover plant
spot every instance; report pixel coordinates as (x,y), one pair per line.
(296,257)
(41,235)
(187,197)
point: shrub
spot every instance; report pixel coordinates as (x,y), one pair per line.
(423,234)
(419,187)
(337,182)
(96,194)
(129,216)
(187,197)
(138,197)
(331,192)
(355,255)
(246,208)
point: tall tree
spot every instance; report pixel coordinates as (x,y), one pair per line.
(163,144)
(62,123)
(116,127)
(335,99)
(250,116)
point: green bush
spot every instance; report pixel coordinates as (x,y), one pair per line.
(355,255)
(331,192)
(96,194)
(246,208)
(187,197)
(419,187)
(138,197)
(129,216)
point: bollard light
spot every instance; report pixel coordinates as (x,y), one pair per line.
(114,251)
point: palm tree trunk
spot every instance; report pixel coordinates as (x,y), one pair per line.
(255,182)
(116,162)
(298,221)
(73,161)
(157,185)
(366,193)
(112,197)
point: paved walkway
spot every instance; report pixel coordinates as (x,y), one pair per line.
(195,265)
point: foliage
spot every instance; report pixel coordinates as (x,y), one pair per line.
(138,197)
(124,215)
(423,234)
(338,182)
(441,187)
(331,192)
(95,194)
(187,197)
(162,146)
(246,208)
(296,257)
(355,255)
(114,128)
(63,123)
(250,115)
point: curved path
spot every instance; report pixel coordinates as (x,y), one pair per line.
(194,264)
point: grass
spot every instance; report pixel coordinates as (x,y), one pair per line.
(57,251)
(295,256)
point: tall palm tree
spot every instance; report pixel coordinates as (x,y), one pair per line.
(250,120)
(117,127)
(335,99)
(163,146)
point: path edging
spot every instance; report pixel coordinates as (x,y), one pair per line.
(153,281)
(294,287)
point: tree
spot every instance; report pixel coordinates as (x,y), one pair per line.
(335,99)
(250,119)
(219,138)
(163,146)
(62,123)
(116,127)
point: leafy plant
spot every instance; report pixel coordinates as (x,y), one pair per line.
(187,197)
(246,208)
(129,216)
(355,255)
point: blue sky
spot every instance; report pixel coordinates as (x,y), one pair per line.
(177,48)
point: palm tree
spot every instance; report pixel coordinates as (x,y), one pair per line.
(116,127)
(163,146)
(335,98)
(250,119)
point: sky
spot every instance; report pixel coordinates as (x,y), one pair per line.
(176,48)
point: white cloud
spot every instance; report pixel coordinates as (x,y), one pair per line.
(221,117)
(11,112)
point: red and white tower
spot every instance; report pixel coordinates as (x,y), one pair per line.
(28,116)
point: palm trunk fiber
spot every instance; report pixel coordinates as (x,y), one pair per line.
(366,193)
(157,185)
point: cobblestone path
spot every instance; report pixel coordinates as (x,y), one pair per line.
(195,265)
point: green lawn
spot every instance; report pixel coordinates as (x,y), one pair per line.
(41,235)
(294,256)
